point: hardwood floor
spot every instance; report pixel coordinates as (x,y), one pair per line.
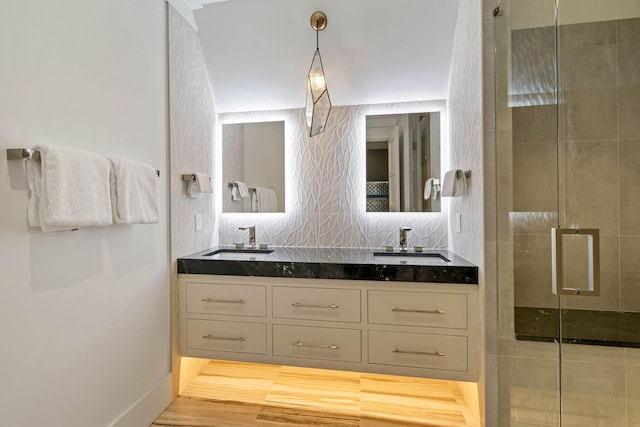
(230,394)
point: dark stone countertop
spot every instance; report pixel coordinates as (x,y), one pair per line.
(606,328)
(333,263)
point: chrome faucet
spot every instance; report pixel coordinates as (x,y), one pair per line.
(403,238)
(252,234)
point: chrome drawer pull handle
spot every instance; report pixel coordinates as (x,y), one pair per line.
(299,344)
(211,337)
(297,304)
(405,310)
(227,301)
(421,353)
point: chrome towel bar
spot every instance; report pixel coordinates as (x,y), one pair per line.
(27,154)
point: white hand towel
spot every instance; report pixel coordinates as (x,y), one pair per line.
(428,186)
(454,183)
(243,190)
(134,190)
(204,183)
(73,189)
(267,200)
(193,190)
(272,201)
(34,181)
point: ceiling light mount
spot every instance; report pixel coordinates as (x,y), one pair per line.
(318,21)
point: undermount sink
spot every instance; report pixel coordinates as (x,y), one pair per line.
(240,253)
(399,256)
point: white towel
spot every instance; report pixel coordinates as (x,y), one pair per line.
(203,183)
(454,183)
(134,190)
(428,186)
(193,191)
(69,189)
(243,190)
(34,181)
(266,200)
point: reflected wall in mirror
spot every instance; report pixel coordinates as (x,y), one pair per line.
(253,167)
(403,162)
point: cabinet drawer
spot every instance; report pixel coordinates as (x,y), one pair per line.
(234,300)
(317,343)
(439,310)
(235,337)
(341,305)
(427,351)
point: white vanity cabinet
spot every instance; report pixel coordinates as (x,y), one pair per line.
(401,328)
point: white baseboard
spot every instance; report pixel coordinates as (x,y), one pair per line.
(148,407)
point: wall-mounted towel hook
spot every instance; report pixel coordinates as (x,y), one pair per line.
(454,183)
(197,183)
(467,174)
(191,177)
(22,154)
(233,184)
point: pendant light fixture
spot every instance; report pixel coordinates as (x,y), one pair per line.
(318,102)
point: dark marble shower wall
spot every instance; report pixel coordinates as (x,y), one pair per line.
(597,124)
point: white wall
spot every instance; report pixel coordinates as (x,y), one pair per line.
(325,191)
(84,315)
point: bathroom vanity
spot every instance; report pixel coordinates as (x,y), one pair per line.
(411,314)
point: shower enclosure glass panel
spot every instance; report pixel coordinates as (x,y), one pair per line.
(568,144)
(527,189)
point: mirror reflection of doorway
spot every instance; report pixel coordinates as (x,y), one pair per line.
(403,157)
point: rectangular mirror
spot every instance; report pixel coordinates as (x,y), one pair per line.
(403,162)
(253,167)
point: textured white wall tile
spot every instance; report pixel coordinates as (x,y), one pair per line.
(326,187)
(466,152)
(466,149)
(192,137)
(192,123)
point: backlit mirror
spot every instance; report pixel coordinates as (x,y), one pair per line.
(403,162)
(253,167)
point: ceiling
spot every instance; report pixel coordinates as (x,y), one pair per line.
(258,52)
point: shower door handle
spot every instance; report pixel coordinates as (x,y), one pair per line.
(558,266)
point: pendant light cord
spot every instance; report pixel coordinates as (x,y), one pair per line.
(317,34)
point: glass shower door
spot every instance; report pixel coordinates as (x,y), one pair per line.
(527,210)
(598,170)
(568,167)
